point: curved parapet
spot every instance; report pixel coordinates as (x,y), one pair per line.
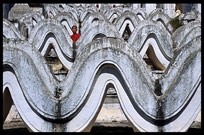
(192,29)
(86,13)
(33,74)
(160,16)
(70,100)
(112,14)
(70,9)
(74,13)
(40,34)
(95,16)
(102,64)
(151,33)
(181,86)
(95,55)
(167,103)
(51,41)
(55,34)
(28,56)
(50,10)
(37,17)
(126,18)
(67,20)
(190,16)
(160,116)
(61,7)
(10,31)
(29,20)
(97,28)
(141,13)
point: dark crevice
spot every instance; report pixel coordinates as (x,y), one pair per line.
(126,33)
(157,90)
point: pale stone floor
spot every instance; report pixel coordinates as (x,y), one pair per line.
(110,118)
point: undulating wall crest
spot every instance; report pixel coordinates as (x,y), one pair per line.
(10,31)
(151,102)
(67,20)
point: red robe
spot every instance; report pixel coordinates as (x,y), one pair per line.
(75,37)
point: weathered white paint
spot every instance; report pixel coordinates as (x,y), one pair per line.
(56,46)
(67,27)
(159,55)
(121,31)
(141,18)
(114,16)
(10,30)
(38,90)
(34,22)
(34,123)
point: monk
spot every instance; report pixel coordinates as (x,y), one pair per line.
(75,35)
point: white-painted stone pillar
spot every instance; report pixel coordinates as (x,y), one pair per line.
(150,7)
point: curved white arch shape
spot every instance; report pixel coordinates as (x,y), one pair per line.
(140,12)
(33,123)
(193,33)
(90,18)
(64,61)
(10,31)
(67,19)
(67,27)
(97,96)
(159,55)
(184,31)
(40,33)
(113,17)
(83,122)
(122,29)
(111,11)
(74,13)
(146,29)
(140,17)
(35,16)
(90,32)
(126,55)
(160,16)
(86,13)
(51,10)
(80,122)
(34,22)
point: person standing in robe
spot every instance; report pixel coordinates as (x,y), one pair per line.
(75,35)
